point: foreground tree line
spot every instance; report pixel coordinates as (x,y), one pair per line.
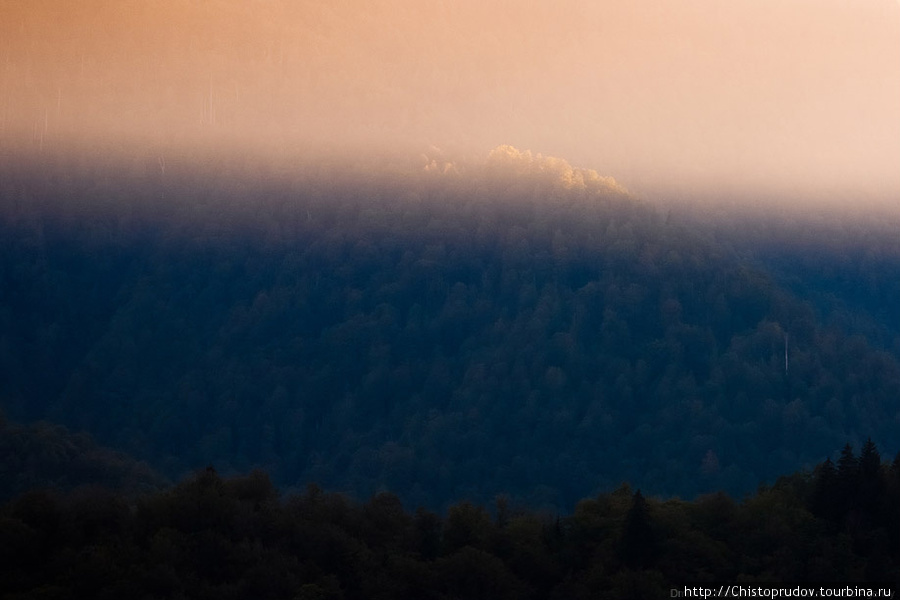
(215,537)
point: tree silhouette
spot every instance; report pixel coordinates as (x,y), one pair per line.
(871,483)
(825,491)
(848,480)
(637,546)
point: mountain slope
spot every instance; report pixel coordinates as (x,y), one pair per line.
(520,327)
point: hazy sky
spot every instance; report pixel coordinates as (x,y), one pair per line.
(792,96)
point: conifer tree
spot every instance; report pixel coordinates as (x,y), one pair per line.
(871,484)
(848,478)
(824,492)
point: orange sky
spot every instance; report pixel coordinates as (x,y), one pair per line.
(786,96)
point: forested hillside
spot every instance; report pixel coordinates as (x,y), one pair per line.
(439,331)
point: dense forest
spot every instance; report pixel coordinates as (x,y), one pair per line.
(439,331)
(221,538)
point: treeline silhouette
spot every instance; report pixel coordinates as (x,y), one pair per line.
(44,455)
(522,326)
(214,537)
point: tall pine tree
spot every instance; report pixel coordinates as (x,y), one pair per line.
(847,481)
(870,490)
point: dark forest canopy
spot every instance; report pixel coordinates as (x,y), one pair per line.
(439,330)
(43,455)
(214,537)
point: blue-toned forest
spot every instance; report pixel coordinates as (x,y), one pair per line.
(443,334)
